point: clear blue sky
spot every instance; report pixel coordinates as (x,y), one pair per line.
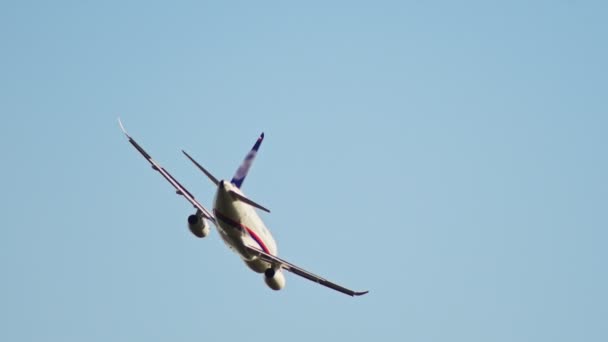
(449,156)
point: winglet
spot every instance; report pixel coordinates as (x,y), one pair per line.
(122,127)
(243,169)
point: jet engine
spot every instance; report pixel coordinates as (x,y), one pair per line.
(274,279)
(198,226)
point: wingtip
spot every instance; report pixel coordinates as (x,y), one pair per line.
(361,293)
(262,135)
(122,127)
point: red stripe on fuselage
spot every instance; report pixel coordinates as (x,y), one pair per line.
(258,240)
(241,226)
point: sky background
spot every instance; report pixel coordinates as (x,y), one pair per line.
(448,156)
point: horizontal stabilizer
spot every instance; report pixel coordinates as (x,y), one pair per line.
(247,200)
(200,167)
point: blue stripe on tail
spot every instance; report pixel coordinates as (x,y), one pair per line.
(241,172)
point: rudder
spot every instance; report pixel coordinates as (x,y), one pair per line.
(241,172)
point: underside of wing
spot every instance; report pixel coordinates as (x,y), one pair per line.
(280,263)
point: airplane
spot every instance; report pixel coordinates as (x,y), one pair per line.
(238,223)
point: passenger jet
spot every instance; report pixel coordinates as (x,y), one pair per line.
(238,223)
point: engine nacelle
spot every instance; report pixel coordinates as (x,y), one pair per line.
(198,226)
(274,279)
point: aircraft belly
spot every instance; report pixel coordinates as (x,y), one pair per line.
(234,240)
(240,226)
(257,265)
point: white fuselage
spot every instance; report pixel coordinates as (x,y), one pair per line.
(239,225)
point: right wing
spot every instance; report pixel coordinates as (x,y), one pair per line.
(280,263)
(178,187)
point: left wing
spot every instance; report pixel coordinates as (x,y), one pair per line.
(178,187)
(280,263)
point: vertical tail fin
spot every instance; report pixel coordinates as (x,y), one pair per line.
(242,171)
